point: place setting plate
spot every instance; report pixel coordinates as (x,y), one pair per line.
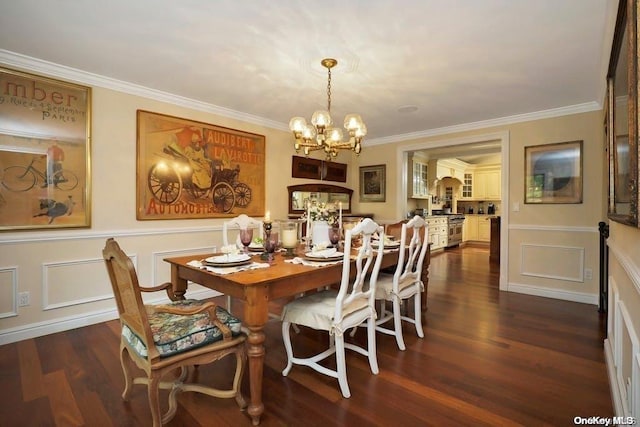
(227,260)
(322,256)
(388,245)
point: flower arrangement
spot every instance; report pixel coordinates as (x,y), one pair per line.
(321,212)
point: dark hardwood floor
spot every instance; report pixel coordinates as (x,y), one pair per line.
(488,358)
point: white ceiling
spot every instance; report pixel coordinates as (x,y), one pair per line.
(458,61)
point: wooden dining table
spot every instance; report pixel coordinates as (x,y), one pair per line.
(256,287)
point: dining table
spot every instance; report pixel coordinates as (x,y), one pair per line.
(256,287)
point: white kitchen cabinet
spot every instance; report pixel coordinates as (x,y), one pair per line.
(419,185)
(438,233)
(486,185)
(470,228)
(484,228)
(466,189)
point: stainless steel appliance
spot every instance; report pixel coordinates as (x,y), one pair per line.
(491,209)
(454,227)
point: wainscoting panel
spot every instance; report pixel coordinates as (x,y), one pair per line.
(8,291)
(65,284)
(626,353)
(161,271)
(553,262)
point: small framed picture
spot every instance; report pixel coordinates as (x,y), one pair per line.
(553,173)
(373,183)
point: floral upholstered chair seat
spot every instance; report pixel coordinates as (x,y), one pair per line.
(174,333)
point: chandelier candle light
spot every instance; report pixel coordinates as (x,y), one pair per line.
(320,134)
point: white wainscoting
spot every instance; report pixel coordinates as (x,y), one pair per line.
(552,262)
(622,353)
(8,291)
(65,283)
(622,346)
(162,270)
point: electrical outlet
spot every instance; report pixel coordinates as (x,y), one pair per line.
(588,273)
(23,299)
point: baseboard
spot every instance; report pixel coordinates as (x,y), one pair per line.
(53,326)
(581,297)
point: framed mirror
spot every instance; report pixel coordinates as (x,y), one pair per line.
(621,114)
(299,195)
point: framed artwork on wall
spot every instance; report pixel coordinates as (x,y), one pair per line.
(45,152)
(189,169)
(373,183)
(553,173)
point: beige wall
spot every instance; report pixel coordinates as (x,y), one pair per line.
(63,270)
(64,274)
(536,233)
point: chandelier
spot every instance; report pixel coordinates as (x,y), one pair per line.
(320,133)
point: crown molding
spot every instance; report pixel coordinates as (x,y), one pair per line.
(502,121)
(29,64)
(26,63)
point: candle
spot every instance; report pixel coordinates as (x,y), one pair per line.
(267,217)
(340,214)
(308,230)
(289,238)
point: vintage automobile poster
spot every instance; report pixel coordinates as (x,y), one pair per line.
(189,169)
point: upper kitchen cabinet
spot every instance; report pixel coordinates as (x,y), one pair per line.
(418,178)
(486,184)
(482,183)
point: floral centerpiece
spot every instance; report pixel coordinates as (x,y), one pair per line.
(322,212)
(320,218)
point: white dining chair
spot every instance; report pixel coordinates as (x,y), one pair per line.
(405,283)
(337,311)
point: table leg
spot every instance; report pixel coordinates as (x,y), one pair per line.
(256,366)
(256,315)
(179,285)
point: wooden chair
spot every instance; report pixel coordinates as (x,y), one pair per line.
(337,311)
(160,339)
(406,281)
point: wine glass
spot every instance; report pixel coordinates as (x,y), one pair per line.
(334,236)
(246,235)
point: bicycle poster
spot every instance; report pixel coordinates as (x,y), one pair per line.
(189,169)
(44,152)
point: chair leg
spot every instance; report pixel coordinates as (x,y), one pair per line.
(397,323)
(341,366)
(237,379)
(154,403)
(418,314)
(287,346)
(371,345)
(125,362)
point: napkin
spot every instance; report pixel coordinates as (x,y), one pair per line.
(323,253)
(298,260)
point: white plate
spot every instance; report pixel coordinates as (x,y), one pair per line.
(228,259)
(394,244)
(312,256)
(226,264)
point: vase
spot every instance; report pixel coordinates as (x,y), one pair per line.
(320,233)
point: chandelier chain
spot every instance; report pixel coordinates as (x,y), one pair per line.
(329,92)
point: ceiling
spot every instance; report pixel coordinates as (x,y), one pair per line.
(409,67)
